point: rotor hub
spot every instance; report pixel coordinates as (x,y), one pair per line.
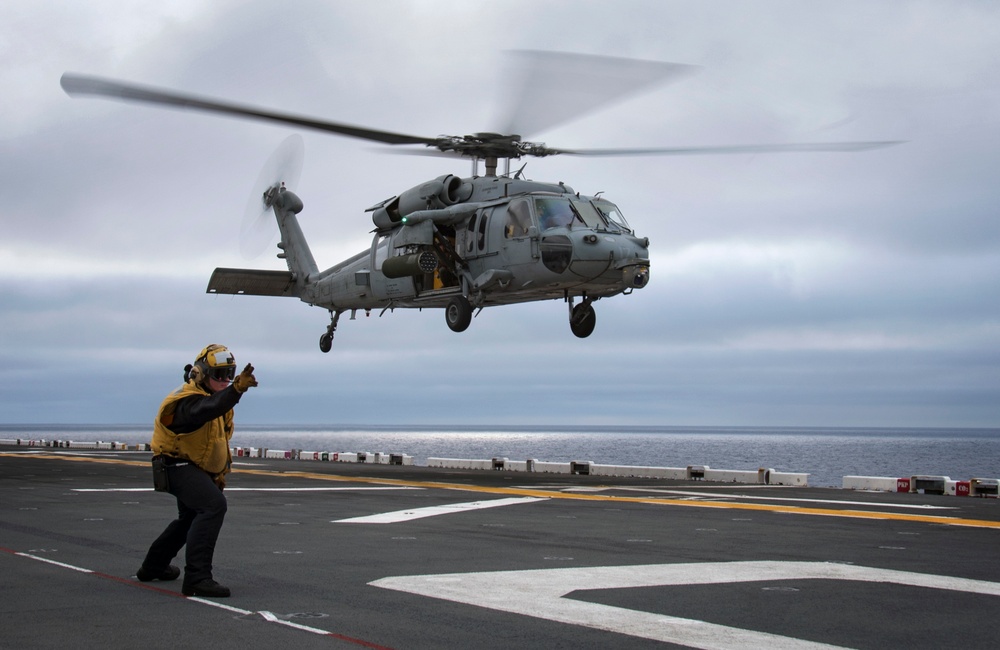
(490,145)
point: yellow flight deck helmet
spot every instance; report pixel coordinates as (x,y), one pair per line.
(214,362)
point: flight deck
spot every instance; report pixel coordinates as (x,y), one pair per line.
(344,555)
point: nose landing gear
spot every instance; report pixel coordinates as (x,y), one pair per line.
(582,317)
(458,314)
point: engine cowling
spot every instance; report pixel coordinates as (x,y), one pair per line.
(436,194)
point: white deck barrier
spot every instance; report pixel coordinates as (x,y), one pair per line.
(762,476)
(980,487)
(729,476)
(679,473)
(984,487)
(788,478)
(692,472)
(460,463)
(553,468)
(927,484)
(931,484)
(875,484)
(380,458)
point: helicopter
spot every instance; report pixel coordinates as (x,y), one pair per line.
(464,244)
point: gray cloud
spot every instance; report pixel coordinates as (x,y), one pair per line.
(814,289)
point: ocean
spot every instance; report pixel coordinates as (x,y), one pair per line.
(826,454)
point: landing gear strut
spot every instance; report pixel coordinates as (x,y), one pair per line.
(582,318)
(326,341)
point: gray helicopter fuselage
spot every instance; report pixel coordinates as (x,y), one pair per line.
(508,251)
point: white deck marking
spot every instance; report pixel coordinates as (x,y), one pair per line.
(271,618)
(540,593)
(690,493)
(48,561)
(266,615)
(433,511)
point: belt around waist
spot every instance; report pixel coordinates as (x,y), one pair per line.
(172,461)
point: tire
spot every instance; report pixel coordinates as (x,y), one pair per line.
(458,314)
(583,320)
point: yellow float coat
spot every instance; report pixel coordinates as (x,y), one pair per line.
(207,447)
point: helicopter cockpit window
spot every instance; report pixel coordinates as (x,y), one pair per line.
(553,212)
(470,238)
(381,251)
(613,215)
(483,221)
(589,214)
(518,219)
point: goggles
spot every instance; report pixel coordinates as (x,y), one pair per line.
(221,373)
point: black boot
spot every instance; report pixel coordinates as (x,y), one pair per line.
(206,588)
(145,574)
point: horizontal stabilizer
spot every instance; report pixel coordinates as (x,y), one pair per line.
(250,282)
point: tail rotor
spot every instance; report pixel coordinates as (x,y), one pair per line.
(284,166)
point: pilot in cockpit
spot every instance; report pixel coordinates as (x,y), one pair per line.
(553,213)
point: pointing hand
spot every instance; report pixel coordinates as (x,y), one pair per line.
(245,380)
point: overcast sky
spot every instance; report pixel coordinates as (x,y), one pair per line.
(811,289)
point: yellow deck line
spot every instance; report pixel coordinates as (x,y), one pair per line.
(554,494)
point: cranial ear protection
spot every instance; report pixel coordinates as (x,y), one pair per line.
(192,373)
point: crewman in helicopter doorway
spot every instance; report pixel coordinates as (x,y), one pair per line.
(191,459)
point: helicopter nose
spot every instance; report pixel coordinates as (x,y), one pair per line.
(635,274)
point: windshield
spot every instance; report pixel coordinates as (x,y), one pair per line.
(553,212)
(613,215)
(589,214)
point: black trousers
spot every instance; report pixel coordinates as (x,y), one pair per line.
(201,508)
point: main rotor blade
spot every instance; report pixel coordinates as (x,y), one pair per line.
(729,149)
(546,89)
(77,85)
(429,153)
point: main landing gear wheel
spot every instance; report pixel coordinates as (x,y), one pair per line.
(458,314)
(582,320)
